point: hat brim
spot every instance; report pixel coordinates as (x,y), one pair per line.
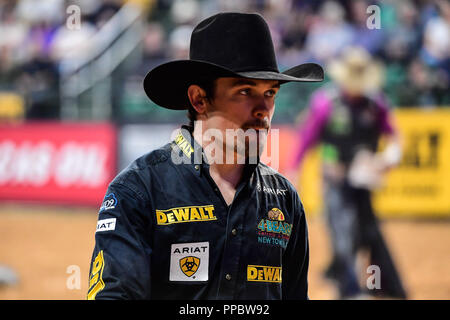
(167,84)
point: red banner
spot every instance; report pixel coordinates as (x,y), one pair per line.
(57,162)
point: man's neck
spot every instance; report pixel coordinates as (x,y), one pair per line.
(227,173)
(221,171)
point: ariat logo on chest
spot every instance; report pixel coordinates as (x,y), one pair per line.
(185,214)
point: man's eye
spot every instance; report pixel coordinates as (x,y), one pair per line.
(245,92)
(270,93)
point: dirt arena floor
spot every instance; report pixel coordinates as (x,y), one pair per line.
(50,248)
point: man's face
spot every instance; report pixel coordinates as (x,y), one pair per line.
(241,106)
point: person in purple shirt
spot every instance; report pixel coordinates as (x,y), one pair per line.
(348,118)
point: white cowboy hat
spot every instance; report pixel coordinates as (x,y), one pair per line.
(356,72)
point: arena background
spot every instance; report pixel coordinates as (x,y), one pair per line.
(73,113)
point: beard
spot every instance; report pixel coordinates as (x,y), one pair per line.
(248,142)
(242,145)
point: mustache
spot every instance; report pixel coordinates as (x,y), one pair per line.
(257,124)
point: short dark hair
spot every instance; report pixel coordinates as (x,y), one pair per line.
(207,84)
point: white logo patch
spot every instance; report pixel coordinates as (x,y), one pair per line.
(109,202)
(106,225)
(189,261)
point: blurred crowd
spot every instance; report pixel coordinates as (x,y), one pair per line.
(34,37)
(412,41)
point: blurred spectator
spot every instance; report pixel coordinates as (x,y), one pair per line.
(12,35)
(38,82)
(185,11)
(101,12)
(370,39)
(403,41)
(436,38)
(37,78)
(329,33)
(403,38)
(155,49)
(294,31)
(416,88)
(34,12)
(72,43)
(179,42)
(233,5)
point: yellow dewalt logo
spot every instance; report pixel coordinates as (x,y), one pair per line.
(96,283)
(184,145)
(263,273)
(185,214)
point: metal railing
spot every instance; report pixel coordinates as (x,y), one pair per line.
(92,72)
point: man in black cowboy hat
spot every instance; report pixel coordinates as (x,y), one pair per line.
(190,220)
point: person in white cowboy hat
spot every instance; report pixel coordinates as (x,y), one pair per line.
(348,118)
(180,223)
(356,73)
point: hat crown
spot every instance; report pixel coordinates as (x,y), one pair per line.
(237,41)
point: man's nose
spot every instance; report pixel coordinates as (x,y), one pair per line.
(261,111)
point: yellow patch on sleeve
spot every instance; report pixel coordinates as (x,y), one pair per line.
(96,283)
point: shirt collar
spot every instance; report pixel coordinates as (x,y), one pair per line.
(185,150)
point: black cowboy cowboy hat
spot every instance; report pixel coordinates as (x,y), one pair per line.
(224,45)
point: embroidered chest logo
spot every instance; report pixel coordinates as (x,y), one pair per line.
(185,214)
(264,273)
(184,145)
(189,265)
(269,190)
(189,261)
(276,214)
(274,230)
(110,202)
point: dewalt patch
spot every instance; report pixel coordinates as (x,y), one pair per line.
(185,214)
(263,273)
(184,145)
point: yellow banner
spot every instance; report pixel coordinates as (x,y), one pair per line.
(420,185)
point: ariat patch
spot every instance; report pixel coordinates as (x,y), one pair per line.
(106,225)
(189,261)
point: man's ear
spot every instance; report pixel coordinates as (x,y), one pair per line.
(197,98)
